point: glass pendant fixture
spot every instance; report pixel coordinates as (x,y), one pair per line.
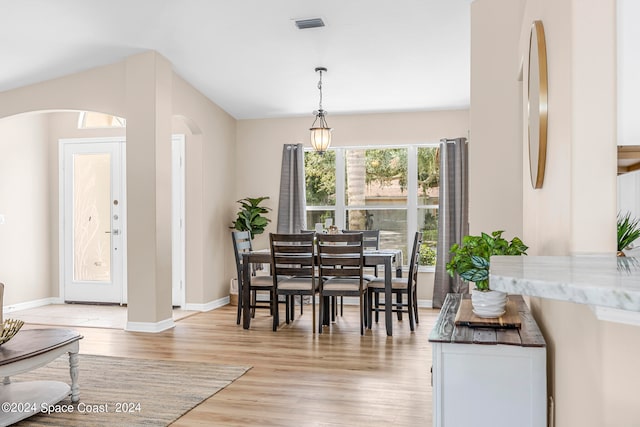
(321,134)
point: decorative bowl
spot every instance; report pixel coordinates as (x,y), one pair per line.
(10,327)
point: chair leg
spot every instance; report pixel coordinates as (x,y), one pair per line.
(293,308)
(377,297)
(341,306)
(415,306)
(320,312)
(313,313)
(361,314)
(333,308)
(399,304)
(239,305)
(275,310)
(410,304)
(369,307)
(253,304)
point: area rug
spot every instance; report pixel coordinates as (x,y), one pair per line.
(117,391)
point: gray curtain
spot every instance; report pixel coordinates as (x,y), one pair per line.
(453,214)
(292,204)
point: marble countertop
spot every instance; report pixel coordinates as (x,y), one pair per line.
(601,281)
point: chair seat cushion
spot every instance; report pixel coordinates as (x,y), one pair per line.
(262,281)
(296,283)
(370,277)
(339,284)
(396,283)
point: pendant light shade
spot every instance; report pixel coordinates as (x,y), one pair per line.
(321,134)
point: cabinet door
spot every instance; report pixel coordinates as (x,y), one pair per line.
(489,385)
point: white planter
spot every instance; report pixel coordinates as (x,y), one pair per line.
(488,304)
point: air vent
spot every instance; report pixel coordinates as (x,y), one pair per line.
(304,24)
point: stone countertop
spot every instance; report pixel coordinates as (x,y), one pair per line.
(600,281)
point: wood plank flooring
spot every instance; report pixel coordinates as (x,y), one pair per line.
(297,378)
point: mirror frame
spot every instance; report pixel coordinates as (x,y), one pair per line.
(537,114)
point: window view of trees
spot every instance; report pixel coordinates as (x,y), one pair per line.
(376,188)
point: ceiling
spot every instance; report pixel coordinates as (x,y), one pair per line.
(248,57)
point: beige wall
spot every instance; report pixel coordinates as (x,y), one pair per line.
(495,169)
(145,91)
(591,376)
(24,201)
(259,143)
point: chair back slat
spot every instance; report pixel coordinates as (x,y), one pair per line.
(293,255)
(415,260)
(340,255)
(370,238)
(241,243)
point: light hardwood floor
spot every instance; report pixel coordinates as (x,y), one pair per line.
(297,378)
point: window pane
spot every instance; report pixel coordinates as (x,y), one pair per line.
(320,178)
(428,176)
(376,177)
(428,224)
(392,224)
(314,217)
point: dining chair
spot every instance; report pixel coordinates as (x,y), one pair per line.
(340,266)
(399,287)
(293,270)
(370,242)
(242,243)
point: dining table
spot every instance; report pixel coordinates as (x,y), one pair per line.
(386,257)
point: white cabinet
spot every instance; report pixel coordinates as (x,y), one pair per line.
(488,377)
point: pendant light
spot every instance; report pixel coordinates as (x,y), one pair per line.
(320,135)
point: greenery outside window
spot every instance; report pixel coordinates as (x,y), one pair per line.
(393,189)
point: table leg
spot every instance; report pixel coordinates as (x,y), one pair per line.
(388,307)
(246,293)
(73,370)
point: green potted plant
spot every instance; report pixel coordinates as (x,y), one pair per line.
(470,261)
(628,231)
(250,216)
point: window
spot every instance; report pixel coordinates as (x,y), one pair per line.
(393,189)
(93,120)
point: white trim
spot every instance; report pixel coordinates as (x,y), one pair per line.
(178,233)
(211,305)
(31,304)
(411,207)
(163,325)
(609,314)
(425,303)
(62,142)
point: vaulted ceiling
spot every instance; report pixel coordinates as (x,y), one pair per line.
(249,57)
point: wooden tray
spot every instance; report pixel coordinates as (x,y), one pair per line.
(510,319)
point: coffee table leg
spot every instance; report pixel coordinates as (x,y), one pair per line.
(73,369)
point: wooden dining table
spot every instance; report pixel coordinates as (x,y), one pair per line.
(386,257)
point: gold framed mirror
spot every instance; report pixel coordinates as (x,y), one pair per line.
(537,104)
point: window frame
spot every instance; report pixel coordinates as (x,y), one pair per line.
(340,208)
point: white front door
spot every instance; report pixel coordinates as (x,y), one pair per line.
(93,220)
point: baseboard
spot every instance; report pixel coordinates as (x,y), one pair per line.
(31,304)
(211,305)
(425,303)
(150,326)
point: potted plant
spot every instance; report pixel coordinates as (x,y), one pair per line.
(470,261)
(628,231)
(250,216)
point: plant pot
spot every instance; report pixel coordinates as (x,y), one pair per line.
(488,304)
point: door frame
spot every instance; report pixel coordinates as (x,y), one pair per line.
(61,209)
(178,233)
